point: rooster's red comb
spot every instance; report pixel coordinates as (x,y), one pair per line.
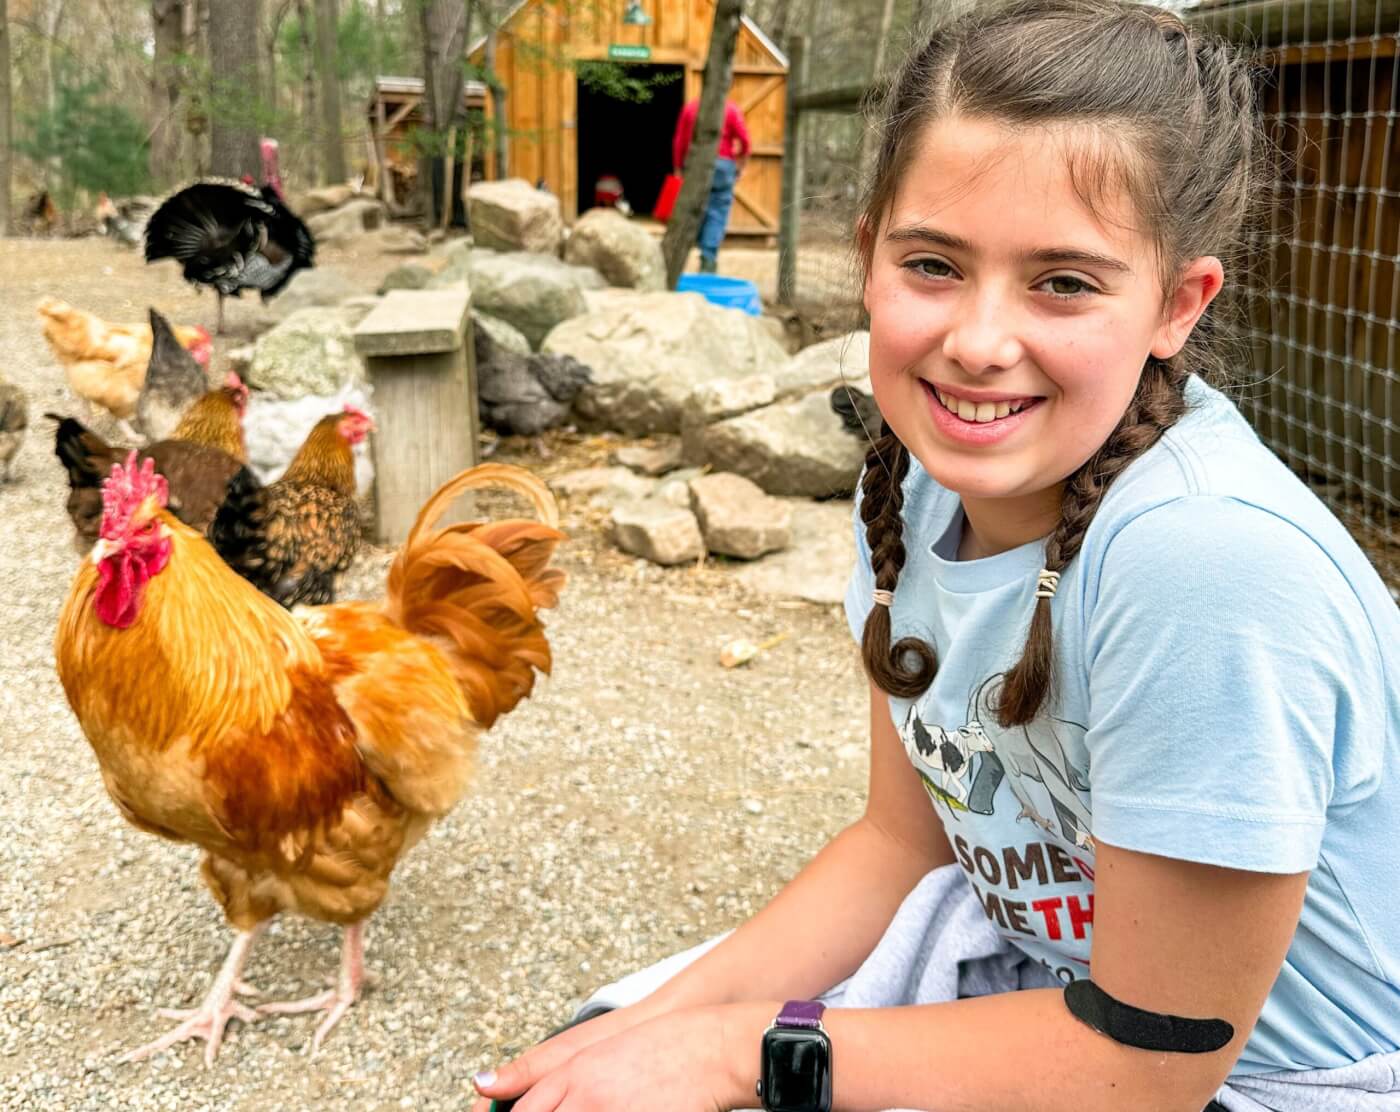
(128,486)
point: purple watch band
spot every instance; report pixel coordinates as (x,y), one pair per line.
(801,1013)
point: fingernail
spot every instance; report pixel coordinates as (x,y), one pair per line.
(485,1079)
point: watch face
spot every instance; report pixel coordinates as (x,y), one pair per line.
(796,1071)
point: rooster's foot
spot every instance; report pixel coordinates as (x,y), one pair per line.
(208,1021)
(336,1001)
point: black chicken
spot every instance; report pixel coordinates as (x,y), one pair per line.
(524,394)
(232,237)
(859,414)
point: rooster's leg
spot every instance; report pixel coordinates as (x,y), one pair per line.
(208,1021)
(335,1002)
(219,317)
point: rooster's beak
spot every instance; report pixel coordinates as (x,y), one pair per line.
(102,549)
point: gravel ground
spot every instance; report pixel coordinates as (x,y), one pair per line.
(644,799)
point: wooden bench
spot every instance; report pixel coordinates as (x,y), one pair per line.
(417,347)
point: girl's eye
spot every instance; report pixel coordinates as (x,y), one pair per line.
(1066,286)
(930,268)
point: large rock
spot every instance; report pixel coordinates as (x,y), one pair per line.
(817,564)
(737,518)
(505,335)
(534,293)
(409,276)
(796,448)
(348,221)
(395,239)
(317,287)
(328,197)
(513,215)
(841,359)
(622,252)
(648,351)
(657,531)
(714,401)
(311,352)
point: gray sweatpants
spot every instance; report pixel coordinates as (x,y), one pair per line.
(940,947)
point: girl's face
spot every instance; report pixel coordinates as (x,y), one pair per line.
(1008,323)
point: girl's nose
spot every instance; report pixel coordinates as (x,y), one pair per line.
(982,337)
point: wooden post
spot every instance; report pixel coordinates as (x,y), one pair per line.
(417,345)
(789,220)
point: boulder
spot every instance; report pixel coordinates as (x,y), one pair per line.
(617,483)
(841,359)
(714,401)
(817,564)
(624,253)
(656,459)
(797,448)
(737,518)
(311,352)
(395,239)
(657,531)
(534,293)
(410,276)
(348,221)
(505,335)
(317,287)
(648,351)
(328,197)
(513,215)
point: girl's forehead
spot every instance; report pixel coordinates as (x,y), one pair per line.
(998,186)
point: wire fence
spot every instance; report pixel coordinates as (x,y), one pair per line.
(1323,292)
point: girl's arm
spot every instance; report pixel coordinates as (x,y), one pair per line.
(828,918)
(1169,936)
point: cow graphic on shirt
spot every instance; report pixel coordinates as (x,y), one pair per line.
(963,767)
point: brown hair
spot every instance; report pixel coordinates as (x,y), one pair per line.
(1172,110)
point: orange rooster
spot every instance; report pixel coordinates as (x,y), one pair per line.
(304,751)
(106,363)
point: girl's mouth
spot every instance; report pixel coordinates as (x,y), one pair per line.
(978,423)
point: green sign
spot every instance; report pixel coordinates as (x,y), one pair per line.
(626,52)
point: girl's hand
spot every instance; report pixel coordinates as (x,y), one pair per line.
(679,1061)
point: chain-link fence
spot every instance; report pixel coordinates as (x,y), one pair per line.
(1323,292)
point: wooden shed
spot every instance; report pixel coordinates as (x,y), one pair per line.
(567,133)
(395,110)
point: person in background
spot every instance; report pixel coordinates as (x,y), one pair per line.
(734,147)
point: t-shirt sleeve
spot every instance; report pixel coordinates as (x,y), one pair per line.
(862,580)
(1230,668)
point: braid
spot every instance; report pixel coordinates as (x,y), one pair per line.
(881,505)
(1157,405)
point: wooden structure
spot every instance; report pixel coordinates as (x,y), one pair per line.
(417,345)
(395,110)
(1326,286)
(565,133)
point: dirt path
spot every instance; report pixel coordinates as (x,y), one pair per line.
(644,799)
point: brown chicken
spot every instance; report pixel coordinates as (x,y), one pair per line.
(292,538)
(106,363)
(14,419)
(198,460)
(305,751)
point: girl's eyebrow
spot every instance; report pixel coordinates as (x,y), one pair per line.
(920,233)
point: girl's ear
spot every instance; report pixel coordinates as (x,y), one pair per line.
(1197,287)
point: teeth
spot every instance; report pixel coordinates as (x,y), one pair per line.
(979,413)
(1016,406)
(1003,409)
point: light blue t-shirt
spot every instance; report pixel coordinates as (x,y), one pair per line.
(1228,692)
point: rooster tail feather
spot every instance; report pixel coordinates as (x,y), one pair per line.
(84,455)
(477,588)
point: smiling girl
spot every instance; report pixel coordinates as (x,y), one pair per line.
(1135,693)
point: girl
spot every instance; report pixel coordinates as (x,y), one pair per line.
(1135,693)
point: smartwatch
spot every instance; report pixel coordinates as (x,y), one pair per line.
(794,1073)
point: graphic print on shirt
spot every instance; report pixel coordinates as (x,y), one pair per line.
(962,768)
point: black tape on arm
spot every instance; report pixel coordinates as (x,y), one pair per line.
(1145,1030)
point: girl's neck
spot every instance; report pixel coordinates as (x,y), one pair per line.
(996,525)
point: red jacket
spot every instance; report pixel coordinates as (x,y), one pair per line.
(733,136)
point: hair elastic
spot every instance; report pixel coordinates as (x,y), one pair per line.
(1046,583)
(882,598)
(1142,1029)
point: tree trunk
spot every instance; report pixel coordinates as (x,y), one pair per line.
(233,64)
(444,24)
(168,30)
(332,142)
(778,25)
(308,89)
(270,75)
(5,117)
(865,150)
(700,161)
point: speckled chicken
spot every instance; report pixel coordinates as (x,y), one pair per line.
(14,420)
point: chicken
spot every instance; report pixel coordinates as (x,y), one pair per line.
(14,419)
(174,382)
(232,237)
(304,751)
(524,394)
(292,538)
(859,414)
(124,222)
(106,363)
(198,460)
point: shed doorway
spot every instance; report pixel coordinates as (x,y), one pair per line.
(629,139)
